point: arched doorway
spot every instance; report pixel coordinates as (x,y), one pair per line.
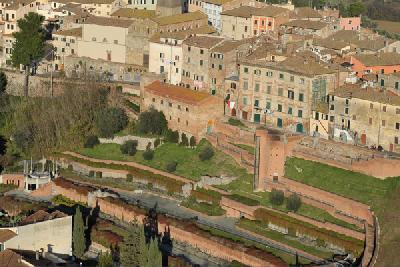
(299,128)
(233,112)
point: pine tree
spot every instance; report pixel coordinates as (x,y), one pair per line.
(78,237)
(134,249)
(154,258)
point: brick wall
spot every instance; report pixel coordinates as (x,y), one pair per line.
(241,136)
(15,179)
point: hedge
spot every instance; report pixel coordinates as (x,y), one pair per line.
(206,195)
(244,200)
(172,185)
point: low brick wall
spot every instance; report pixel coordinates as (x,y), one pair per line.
(17,179)
(240,135)
(236,209)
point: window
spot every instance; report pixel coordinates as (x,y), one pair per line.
(346,110)
(300,113)
(257,87)
(256,102)
(245,85)
(201,51)
(397,110)
(301,97)
(301,80)
(370,121)
(292,78)
(397,125)
(383,123)
(290,94)
(281,76)
(354,117)
(201,62)
(268,73)
(382,82)
(371,106)
(245,28)
(290,110)
(154,100)
(161,55)
(246,70)
(280,91)
(268,105)
(268,89)
(396,85)
(115,41)
(161,69)
(257,72)
(396,140)
(244,100)
(187,109)
(331,119)
(170,104)
(279,107)
(162,102)
(94,39)
(384,108)
(220,67)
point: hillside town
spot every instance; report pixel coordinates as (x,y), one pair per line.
(153,133)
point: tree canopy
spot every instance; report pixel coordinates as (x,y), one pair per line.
(111,121)
(29,40)
(78,236)
(152,122)
(3,83)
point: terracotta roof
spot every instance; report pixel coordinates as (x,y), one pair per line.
(10,258)
(370,94)
(180,18)
(177,93)
(304,13)
(229,45)
(71,7)
(379,59)
(182,35)
(76,32)
(6,235)
(41,216)
(203,41)
(112,22)
(248,11)
(367,41)
(134,13)
(306,24)
(331,44)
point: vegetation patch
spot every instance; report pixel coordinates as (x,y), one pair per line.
(210,209)
(244,200)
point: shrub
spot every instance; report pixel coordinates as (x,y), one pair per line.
(157,142)
(277,197)
(148,154)
(184,140)
(206,154)
(91,173)
(149,186)
(129,147)
(192,141)
(172,136)
(129,177)
(293,203)
(152,122)
(111,121)
(99,174)
(171,166)
(92,141)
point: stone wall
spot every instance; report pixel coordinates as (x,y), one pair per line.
(17,179)
(142,141)
(244,136)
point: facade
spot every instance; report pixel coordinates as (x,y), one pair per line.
(390,81)
(309,27)
(47,232)
(245,21)
(181,22)
(371,116)
(65,43)
(383,63)
(196,61)
(189,112)
(284,94)
(350,24)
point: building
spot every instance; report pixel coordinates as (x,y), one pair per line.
(171,7)
(390,81)
(350,24)
(246,22)
(165,52)
(284,94)
(309,27)
(305,13)
(41,231)
(181,22)
(196,61)
(129,13)
(65,43)
(187,111)
(370,115)
(384,63)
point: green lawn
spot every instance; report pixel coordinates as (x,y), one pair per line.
(357,186)
(244,187)
(205,208)
(6,187)
(189,164)
(249,149)
(259,228)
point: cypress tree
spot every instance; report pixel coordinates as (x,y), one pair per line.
(78,237)
(154,258)
(105,260)
(134,249)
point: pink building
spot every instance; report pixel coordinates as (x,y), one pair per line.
(350,24)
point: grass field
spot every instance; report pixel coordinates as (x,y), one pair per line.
(249,149)
(389,26)
(189,164)
(353,185)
